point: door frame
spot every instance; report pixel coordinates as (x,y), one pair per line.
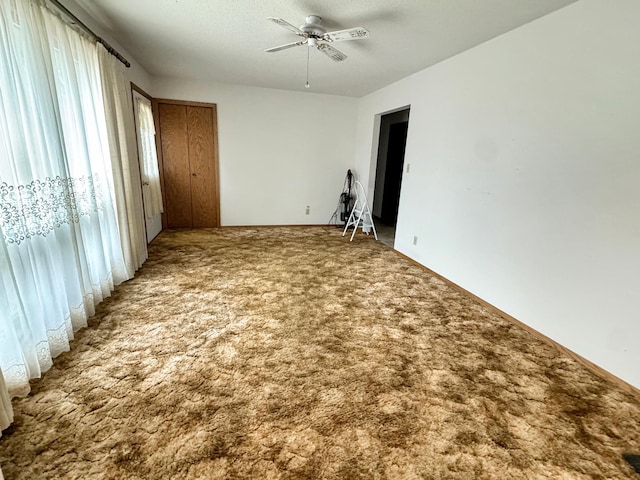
(155,103)
(375,151)
(136,89)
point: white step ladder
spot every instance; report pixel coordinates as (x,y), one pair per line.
(360,215)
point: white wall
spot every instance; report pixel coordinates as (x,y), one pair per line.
(279,151)
(524,185)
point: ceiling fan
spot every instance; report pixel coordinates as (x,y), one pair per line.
(315,35)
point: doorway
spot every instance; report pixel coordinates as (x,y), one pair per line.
(390,164)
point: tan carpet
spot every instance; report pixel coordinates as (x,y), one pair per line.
(291,353)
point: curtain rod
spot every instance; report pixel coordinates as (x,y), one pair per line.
(97,38)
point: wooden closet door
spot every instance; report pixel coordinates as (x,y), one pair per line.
(176,169)
(202,158)
(188,155)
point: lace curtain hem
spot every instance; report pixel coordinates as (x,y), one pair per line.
(16,377)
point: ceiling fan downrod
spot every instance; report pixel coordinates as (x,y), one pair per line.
(306,85)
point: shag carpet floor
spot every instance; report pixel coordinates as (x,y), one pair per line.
(290,353)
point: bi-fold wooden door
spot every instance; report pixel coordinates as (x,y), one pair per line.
(189,158)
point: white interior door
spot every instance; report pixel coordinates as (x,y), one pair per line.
(145,135)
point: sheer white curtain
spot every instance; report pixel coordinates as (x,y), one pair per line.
(60,250)
(60,243)
(6,413)
(126,170)
(149,159)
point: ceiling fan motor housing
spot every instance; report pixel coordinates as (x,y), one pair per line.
(313,27)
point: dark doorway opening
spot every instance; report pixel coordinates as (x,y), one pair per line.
(391,148)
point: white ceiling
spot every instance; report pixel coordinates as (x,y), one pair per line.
(223,40)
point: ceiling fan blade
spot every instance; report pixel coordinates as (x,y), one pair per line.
(287,25)
(284,47)
(355,33)
(332,53)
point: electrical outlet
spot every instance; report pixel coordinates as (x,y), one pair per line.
(307,210)
(408,167)
(415,240)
